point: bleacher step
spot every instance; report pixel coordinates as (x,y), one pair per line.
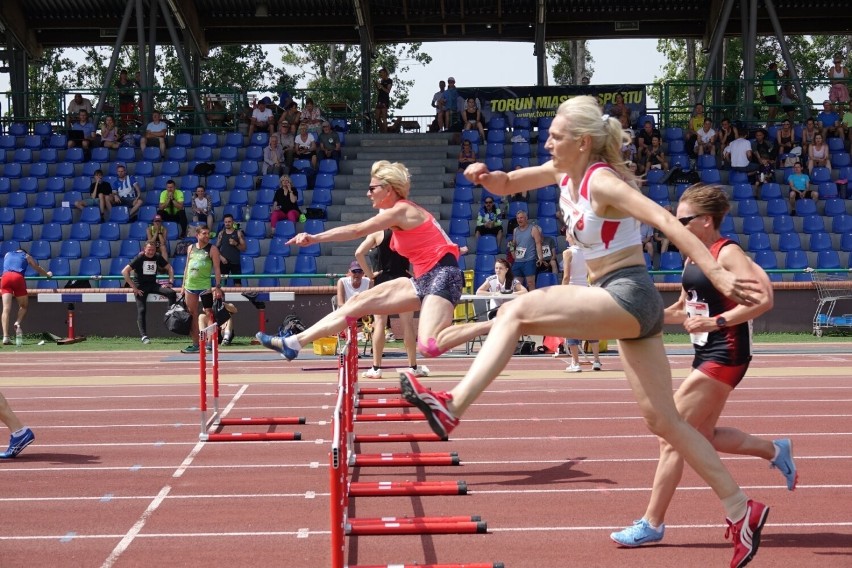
(356,201)
(415,170)
(403,141)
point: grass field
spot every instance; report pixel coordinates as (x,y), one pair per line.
(31,342)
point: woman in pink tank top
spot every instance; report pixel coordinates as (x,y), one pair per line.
(603,208)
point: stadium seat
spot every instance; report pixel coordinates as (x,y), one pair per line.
(519,162)
(9,246)
(655,176)
(495,149)
(259,139)
(285,229)
(138,231)
(515,206)
(51,232)
(65,169)
(264,197)
(61,215)
(672,133)
(59,267)
(819,242)
(782,224)
(797,260)
(758,241)
(223,167)
(766,260)
(55,184)
(770,191)
(254,153)
(314,226)
(28,185)
(38,170)
(841,224)
(306,265)
(109,231)
(238,197)
(658,192)
(119,214)
(549,226)
(278,245)
(249,167)
(228,153)
(88,168)
(45,200)
(125,154)
(234,139)
(834,206)
(172,230)
(243,181)
(217,182)
(840,160)
(100,248)
(209,140)
(328,167)
(17,200)
(828,259)
(130,248)
(100,154)
(80,232)
(272,181)
(247,264)
(461,210)
(12,170)
(58,141)
(548,193)
(545,279)
(463,194)
(677,147)
(170,168)
(813,224)
(324,181)
(487,244)
(747,207)
(323,197)
(776,207)
(818,175)
(90,266)
(23,155)
(471,136)
(521,149)
(547,209)
(274,264)
(711,175)
(681,160)
(70,249)
(201,154)
(176,153)
(33,215)
(259,212)
(789,241)
(39,250)
(91,215)
(459,228)
(846,242)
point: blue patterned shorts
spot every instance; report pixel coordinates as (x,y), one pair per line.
(444,281)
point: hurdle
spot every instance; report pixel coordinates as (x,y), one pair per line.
(342,458)
(210,428)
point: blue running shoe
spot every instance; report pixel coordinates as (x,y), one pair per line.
(638,534)
(286,352)
(17,444)
(784,462)
(190,349)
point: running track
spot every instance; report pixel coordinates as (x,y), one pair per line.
(553,463)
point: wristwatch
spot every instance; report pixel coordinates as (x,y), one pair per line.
(721,322)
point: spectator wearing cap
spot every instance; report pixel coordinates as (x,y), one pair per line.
(287,140)
(830,120)
(261,119)
(157,234)
(452,107)
(769,90)
(352,284)
(329,143)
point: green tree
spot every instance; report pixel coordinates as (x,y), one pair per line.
(48,78)
(566,69)
(332,72)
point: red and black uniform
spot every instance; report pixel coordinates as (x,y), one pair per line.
(723,354)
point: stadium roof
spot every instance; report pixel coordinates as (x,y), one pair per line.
(37,24)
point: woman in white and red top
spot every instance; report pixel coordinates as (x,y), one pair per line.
(603,210)
(435,289)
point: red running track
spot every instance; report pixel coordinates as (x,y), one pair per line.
(552,462)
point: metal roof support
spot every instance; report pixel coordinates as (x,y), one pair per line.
(540,51)
(715,46)
(18,76)
(749,28)
(113,61)
(190,84)
(148,63)
(785,53)
(365,31)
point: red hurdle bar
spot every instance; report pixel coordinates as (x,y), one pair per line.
(263,421)
(254,436)
(401,488)
(478,565)
(378,390)
(459,519)
(393,460)
(415,417)
(434,527)
(412,437)
(383,403)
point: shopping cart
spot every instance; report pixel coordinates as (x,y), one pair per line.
(831,287)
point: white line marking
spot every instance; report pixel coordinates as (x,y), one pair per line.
(134,530)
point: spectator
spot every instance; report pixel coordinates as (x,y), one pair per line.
(452,103)
(769,89)
(352,284)
(740,155)
(82,134)
(525,247)
(311,117)
(628,154)
(656,156)
(764,152)
(100,196)
(489,221)
(809,132)
(696,123)
(231,243)
(261,119)
(706,139)
(646,233)
(839,77)
(788,96)
(818,155)
(77,104)
(306,145)
(126,97)
(549,254)
(466,156)
(292,115)
(784,139)
(157,234)
(285,203)
(472,118)
(127,191)
(799,187)
(141,275)
(156,132)
(439,103)
(287,141)
(576,273)
(643,141)
(329,143)
(171,206)
(846,119)
(202,207)
(503,281)
(109,134)
(21,436)
(273,157)
(13,284)
(619,110)
(726,134)
(383,88)
(830,121)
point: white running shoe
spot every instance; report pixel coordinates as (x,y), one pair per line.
(372,373)
(389,336)
(145,340)
(596,366)
(572,368)
(421,371)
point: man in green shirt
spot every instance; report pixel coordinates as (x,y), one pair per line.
(769,89)
(171,206)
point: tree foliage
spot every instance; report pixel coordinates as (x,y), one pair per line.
(332,72)
(48,77)
(565,68)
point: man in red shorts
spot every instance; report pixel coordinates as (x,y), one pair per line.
(13,284)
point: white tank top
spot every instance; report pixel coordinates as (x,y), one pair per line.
(350,291)
(579,274)
(596,236)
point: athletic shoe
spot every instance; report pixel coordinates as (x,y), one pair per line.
(145,340)
(639,533)
(372,373)
(421,371)
(432,404)
(746,533)
(573,368)
(7,341)
(190,349)
(17,444)
(286,352)
(389,336)
(784,462)
(596,366)
(226,341)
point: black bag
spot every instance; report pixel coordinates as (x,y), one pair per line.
(291,324)
(220,312)
(178,319)
(204,169)
(525,348)
(688,177)
(315,213)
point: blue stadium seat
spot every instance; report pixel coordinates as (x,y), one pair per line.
(244,182)
(549,226)
(33,215)
(314,226)
(770,191)
(819,242)
(841,224)
(234,139)
(17,200)
(12,170)
(55,184)
(119,214)
(61,215)
(48,155)
(247,264)
(285,229)
(789,241)
(545,279)
(65,169)
(238,197)
(264,197)
(109,231)
(172,230)
(70,249)
(827,190)
(8,246)
(228,153)
(249,167)
(470,135)
(170,168)
(496,149)
(834,207)
(81,184)
(547,209)
(672,133)
(80,231)
(137,231)
(274,264)
(18,129)
(459,228)
(339,125)
(32,142)
(494,163)
(681,160)
(45,200)
(828,258)
(306,265)
(176,153)
(327,166)
(125,154)
(521,149)
(100,154)
(259,139)
(152,154)
(487,244)
(90,215)
(324,181)
(463,194)
(677,147)
(742,191)
(217,182)
(8,142)
(51,232)
(495,136)
(201,154)
(778,206)
(519,162)
(323,197)
(260,212)
(303,166)
(758,241)
(40,250)
(28,185)
(812,224)
(818,175)
(100,248)
(658,192)
(146,213)
(183,140)
(90,266)
(223,167)
(130,248)
(485,263)
(671,261)
(846,242)
(255,229)
(58,141)
(278,245)
(254,153)
(515,206)
(711,176)
(548,193)
(38,170)
(23,156)
(461,210)
(782,224)
(271,181)
(766,260)
(747,207)
(59,267)
(840,160)
(5,184)
(189,182)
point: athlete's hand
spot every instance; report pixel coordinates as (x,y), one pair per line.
(740,290)
(302,239)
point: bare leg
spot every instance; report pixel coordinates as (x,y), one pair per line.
(379,322)
(7,313)
(409,339)
(7,415)
(23,305)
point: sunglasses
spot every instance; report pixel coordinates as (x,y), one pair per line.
(686,220)
(357,271)
(373,188)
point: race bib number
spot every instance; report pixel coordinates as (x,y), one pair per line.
(698,309)
(149,267)
(520,252)
(545,251)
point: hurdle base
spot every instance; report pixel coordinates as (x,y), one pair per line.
(70,340)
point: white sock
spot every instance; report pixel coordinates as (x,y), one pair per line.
(777,449)
(20,432)
(292,343)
